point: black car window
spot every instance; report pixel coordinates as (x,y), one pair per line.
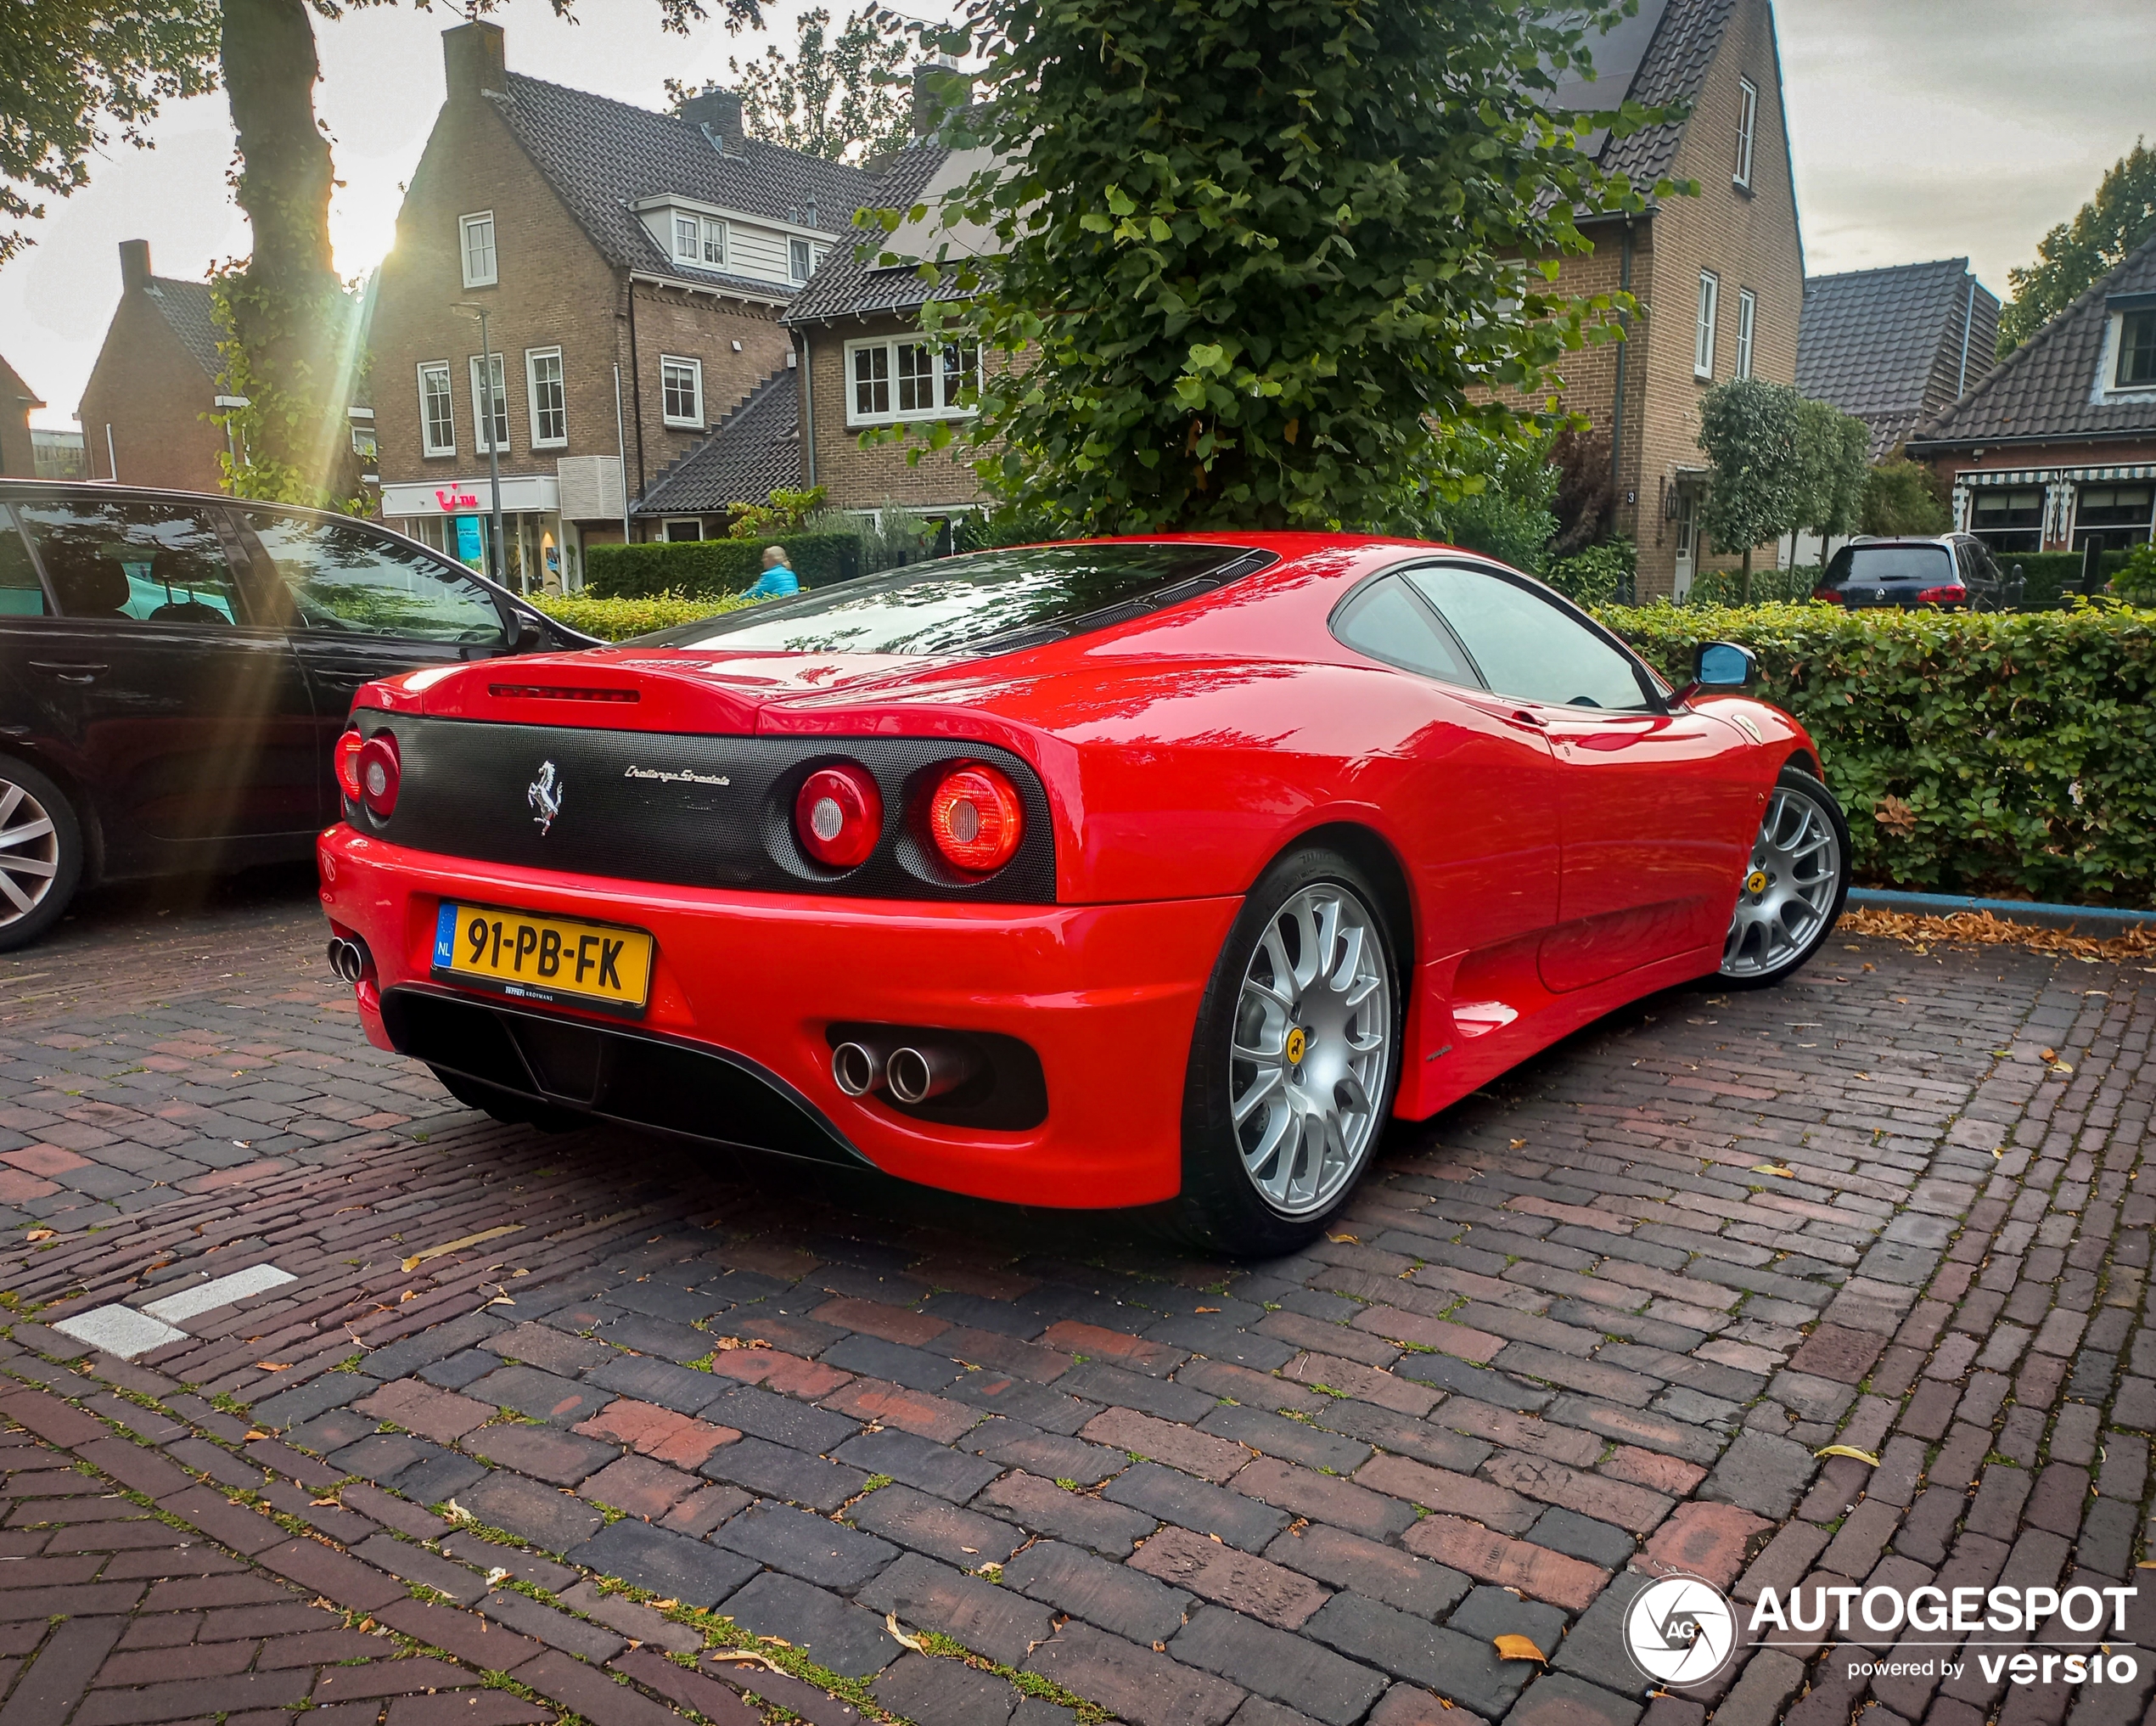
(1388,622)
(985,603)
(124,560)
(1866,565)
(21,594)
(344,578)
(1525,647)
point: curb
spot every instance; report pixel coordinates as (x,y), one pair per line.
(2081,920)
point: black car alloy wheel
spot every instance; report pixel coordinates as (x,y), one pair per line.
(40,853)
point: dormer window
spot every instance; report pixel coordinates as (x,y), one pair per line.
(802,257)
(2137,351)
(699,240)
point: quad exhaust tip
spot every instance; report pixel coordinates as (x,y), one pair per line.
(912,1071)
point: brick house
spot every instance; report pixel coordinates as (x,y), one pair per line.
(155,379)
(1721,278)
(1897,346)
(2057,447)
(605,241)
(17,398)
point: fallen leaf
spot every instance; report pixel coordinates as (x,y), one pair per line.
(1518,1648)
(1519,1145)
(1862,1456)
(1205,1309)
(458,1513)
(319,1503)
(39,1235)
(501,1300)
(421,1256)
(1774,1168)
(274,1366)
(2048,1054)
(891,1623)
(1345,1240)
(749,1657)
(257,1432)
(664,1606)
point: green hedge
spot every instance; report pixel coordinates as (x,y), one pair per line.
(617,620)
(711,567)
(2019,749)
(2048,576)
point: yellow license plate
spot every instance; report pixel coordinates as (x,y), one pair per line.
(531,957)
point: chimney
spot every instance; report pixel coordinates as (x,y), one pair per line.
(134,264)
(719,113)
(937,89)
(473,60)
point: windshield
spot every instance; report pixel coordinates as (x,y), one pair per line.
(986,603)
(1891,563)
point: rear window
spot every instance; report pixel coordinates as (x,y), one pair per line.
(989,602)
(1889,563)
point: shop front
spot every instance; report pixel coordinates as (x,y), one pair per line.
(539,554)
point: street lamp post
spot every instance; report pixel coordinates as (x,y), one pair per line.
(497,562)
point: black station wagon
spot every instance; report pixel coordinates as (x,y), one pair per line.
(175,670)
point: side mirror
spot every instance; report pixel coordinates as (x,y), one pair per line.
(1723,665)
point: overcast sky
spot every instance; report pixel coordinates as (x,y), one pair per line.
(1920,129)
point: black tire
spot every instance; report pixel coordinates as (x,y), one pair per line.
(21,785)
(1221,1207)
(1796,781)
(507,1106)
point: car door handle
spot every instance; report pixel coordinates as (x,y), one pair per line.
(1521,716)
(68,670)
(348,680)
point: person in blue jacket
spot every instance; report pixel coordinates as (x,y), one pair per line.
(777,582)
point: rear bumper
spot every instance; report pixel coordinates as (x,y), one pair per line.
(745,986)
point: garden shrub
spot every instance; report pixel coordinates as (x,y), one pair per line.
(617,620)
(713,566)
(2006,753)
(1716,588)
(2049,577)
(1602,575)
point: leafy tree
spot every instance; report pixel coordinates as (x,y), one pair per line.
(1505,486)
(1832,448)
(1902,497)
(70,70)
(840,96)
(2075,253)
(1586,500)
(1252,252)
(1749,428)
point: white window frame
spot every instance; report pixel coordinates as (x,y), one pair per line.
(501,390)
(1747,314)
(441,369)
(717,238)
(696,238)
(493,274)
(532,357)
(815,254)
(1702,334)
(695,369)
(883,371)
(1748,121)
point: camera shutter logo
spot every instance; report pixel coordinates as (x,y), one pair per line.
(1681,1630)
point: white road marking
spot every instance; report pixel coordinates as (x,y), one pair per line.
(188,1303)
(128,1331)
(118,1331)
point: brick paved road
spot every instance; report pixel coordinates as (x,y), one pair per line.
(1586,1328)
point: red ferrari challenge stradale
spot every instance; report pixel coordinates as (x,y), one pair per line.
(1103,873)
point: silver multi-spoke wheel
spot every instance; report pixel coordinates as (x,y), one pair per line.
(1792,889)
(1311,1039)
(30,852)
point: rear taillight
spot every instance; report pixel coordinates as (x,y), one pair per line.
(839,815)
(348,748)
(1942,596)
(1826,596)
(378,773)
(975,818)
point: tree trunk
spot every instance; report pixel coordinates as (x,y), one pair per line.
(290,314)
(1745,589)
